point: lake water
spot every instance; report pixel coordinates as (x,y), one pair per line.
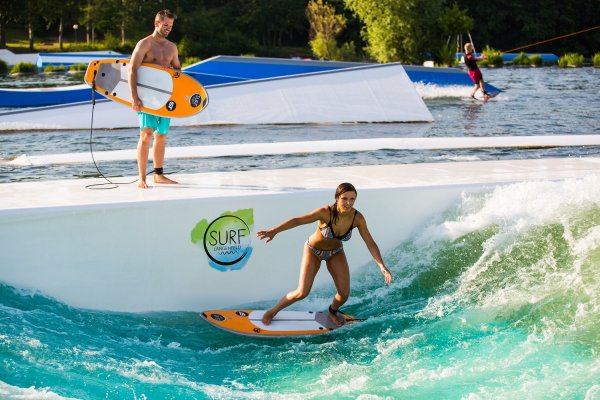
(498,297)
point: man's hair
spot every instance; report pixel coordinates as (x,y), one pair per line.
(160,16)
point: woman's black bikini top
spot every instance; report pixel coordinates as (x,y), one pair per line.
(328,233)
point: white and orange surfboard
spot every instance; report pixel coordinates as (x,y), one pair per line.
(286,323)
(164,92)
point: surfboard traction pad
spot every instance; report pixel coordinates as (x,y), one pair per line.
(105,75)
(248,322)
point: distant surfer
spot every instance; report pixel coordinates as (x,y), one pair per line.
(334,226)
(474,71)
(155,49)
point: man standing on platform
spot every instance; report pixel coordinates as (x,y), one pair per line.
(155,49)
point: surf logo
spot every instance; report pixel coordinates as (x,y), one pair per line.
(171,105)
(226,240)
(195,100)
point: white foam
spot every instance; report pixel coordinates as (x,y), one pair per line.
(432,91)
(518,206)
(498,282)
(9,392)
(344,379)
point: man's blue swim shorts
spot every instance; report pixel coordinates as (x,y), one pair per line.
(159,124)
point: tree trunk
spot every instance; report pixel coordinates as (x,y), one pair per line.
(87,24)
(60,33)
(123,31)
(30,28)
(2,32)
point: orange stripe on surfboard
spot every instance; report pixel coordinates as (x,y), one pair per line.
(164,91)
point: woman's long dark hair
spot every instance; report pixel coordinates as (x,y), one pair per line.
(341,189)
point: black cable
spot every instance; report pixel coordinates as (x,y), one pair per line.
(114,185)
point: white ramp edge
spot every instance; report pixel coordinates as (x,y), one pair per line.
(319,146)
(379,93)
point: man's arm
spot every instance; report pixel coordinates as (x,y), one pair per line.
(136,60)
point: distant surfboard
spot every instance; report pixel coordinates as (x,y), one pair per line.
(164,92)
(491,95)
(285,323)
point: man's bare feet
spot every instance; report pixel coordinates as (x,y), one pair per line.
(159,178)
(336,318)
(143,185)
(268,317)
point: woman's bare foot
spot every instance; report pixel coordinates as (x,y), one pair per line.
(336,319)
(163,179)
(268,317)
(143,185)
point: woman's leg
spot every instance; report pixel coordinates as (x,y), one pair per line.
(482,86)
(308,270)
(475,88)
(340,272)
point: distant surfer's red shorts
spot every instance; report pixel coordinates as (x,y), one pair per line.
(475,75)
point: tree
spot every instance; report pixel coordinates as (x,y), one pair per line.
(32,12)
(454,21)
(55,11)
(270,21)
(325,25)
(398,30)
(8,8)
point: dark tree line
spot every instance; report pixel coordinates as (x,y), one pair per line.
(508,24)
(268,27)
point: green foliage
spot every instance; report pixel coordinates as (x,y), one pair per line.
(563,63)
(324,21)
(536,60)
(205,35)
(84,47)
(493,58)
(3,67)
(455,21)
(55,68)
(387,30)
(190,60)
(323,48)
(445,57)
(186,47)
(521,59)
(325,26)
(595,60)
(346,52)
(78,67)
(508,24)
(111,42)
(571,60)
(327,49)
(23,68)
(398,30)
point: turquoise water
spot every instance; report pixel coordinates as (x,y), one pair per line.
(497,297)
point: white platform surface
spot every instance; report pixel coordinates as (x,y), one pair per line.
(72,192)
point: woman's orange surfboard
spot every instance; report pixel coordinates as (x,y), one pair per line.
(164,92)
(286,323)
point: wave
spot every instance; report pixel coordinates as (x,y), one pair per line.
(497,297)
(525,253)
(9,392)
(432,91)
